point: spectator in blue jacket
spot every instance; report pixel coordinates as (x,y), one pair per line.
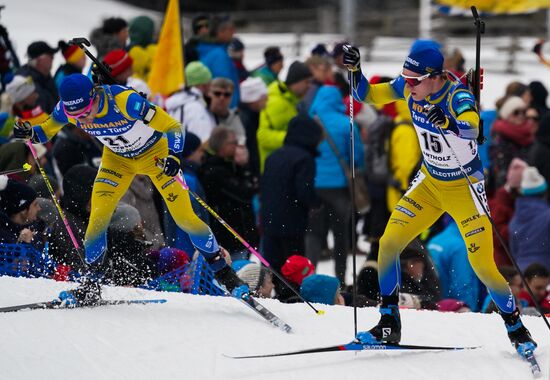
(214,54)
(529,227)
(330,181)
(456,276)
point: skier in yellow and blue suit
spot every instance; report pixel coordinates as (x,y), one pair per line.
(135,133)
(435,98)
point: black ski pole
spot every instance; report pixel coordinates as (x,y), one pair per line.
(352,190)
(103,72)
(480,29)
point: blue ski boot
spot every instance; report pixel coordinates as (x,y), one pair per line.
(517,332)
(388,329)
(88,293)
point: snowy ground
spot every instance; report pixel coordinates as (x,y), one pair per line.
(187,337)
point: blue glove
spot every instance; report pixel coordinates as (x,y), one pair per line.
(352,57)
(22,130)
(240,291)
(171,165)
(437,117)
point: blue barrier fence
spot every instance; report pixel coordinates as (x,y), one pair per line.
(24,260)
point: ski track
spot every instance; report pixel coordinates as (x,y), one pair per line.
(187,337)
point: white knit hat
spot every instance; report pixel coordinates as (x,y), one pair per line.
(510,105)
(252,89)
(532,182)
(253,274)
(20,88)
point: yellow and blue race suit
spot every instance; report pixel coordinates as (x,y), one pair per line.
(132,140)
(439,185)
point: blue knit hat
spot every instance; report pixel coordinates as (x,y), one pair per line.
(425,60)
(320,288)
(76,92)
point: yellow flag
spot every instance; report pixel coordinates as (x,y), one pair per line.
(166,75)
(499,6)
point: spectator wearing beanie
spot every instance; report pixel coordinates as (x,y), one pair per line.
(253,101)
(127,257)
(120,63)
(19,213)
(111,35)
(258,278)
(142,49)
(512,135)
(200,25)
(529,237)
(273,65)
(287,193)
(282,102)
(320,288)
(39,68)
(75,60)
(22,93)
(294,270)
(215,56)
(188,106)
(236,52)
(75,202)
(535,97)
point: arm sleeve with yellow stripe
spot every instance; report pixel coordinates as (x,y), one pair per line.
(51,126)
(134,106)
(381,93)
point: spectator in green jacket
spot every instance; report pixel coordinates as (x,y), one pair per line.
(283,98)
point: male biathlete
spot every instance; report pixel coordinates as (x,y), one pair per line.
(435,98)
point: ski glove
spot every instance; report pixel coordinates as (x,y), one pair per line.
(437,117)
(352,57)
(22,130)
(171,165)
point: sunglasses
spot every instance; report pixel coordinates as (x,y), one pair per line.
(414,81)
(519,112)
(219,94)
(82,114)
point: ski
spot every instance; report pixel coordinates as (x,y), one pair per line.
(529,356)
(261,310)
(56,304)
(357,346)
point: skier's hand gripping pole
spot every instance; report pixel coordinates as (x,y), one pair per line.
(161,163)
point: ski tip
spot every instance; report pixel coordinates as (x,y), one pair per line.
(320,312)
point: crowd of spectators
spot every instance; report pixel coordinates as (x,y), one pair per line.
(255,151)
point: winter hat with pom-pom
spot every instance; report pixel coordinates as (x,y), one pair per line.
(14,196)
